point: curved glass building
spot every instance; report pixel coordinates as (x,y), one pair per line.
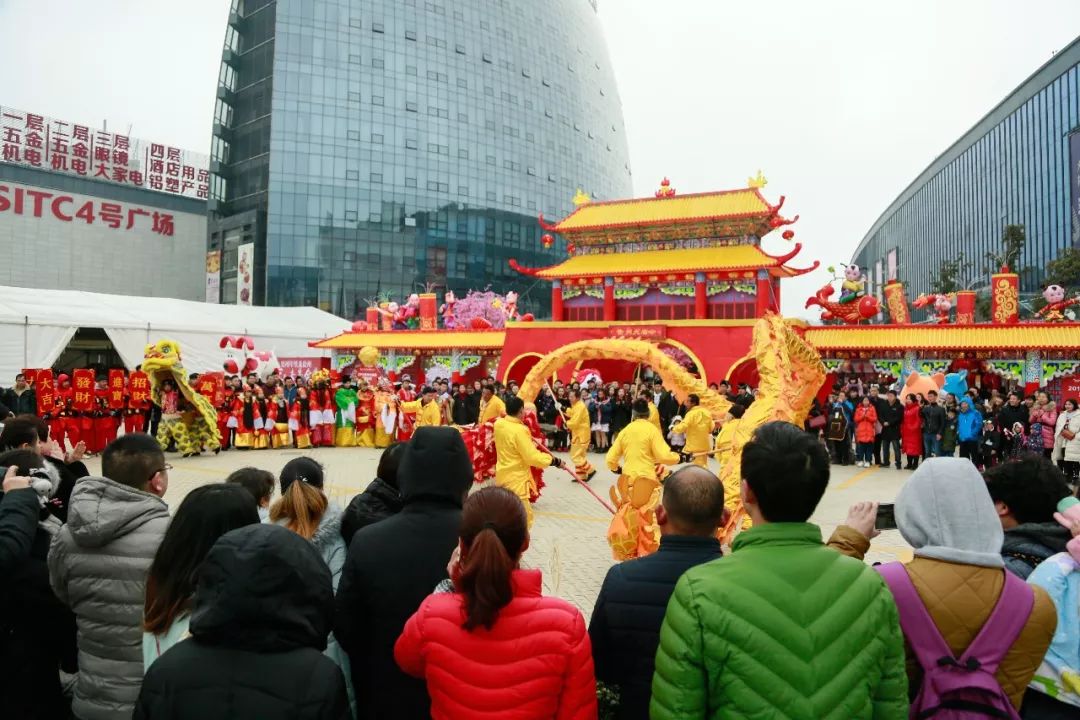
(388,145)
(1012,168)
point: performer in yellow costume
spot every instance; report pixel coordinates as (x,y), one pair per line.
(640,446)
(516,453)
(382,396)
(491,405)
(697,426)
(724,444)
(577,424)
(426,408)
(654,414)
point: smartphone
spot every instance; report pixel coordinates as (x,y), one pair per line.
(886,517)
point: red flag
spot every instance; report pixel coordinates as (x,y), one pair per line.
(212,387)
(83,398)
(139,390)
(44,389)
(30,374)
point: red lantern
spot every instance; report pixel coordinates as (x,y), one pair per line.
(788,234)
(570,248)
(547,240)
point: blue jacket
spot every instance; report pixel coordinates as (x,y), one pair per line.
(969,425)
(625,626)
(1059,576)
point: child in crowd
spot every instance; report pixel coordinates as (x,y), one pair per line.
(260,483)
(1016,440)
(949,439)
(676,440)
(991,445)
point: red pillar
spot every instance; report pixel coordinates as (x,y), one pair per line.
(764,293)
(609,300)
(556,301)
(701,300)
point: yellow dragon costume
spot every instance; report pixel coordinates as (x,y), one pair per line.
(191,430)
(791,373)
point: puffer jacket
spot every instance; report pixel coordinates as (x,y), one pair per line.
(960,599)
(1047,416)
(379,501)
(761,632)
(97,567)
(1064,449)
(331,546)
(260,617)
(1027,545)
(394,564)
(535,663)
(625,625)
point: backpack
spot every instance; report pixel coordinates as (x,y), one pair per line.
(837,429)
(962,688)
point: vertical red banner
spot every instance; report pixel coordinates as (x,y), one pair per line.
(896,303)
(429,306)
(212,387)
(116,389)
(1005,298)
(44,390)
(139,390)
(965,307)
(83,397)
(30,374)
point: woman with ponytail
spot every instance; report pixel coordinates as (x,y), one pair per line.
(304,508)
(496,647)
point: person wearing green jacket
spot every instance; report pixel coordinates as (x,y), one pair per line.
(784,627)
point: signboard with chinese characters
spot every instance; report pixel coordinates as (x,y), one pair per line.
(652,333)
(245,269)
(39,203)
(302,366)
(116,389)
(46,143)
(83,398)
(213,276)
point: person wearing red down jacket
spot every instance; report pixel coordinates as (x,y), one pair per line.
(496,648)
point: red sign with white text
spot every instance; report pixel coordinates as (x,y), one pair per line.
(22,200)
(301,366)
(46,143)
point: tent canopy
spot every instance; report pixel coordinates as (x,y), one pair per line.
(36,325)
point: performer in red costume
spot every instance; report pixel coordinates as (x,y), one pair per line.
(321,410)
(225,415)
(299,419)
(406,420)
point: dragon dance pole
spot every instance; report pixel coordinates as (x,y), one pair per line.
(599,499)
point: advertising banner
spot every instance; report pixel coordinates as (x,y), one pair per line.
(245,269)
(302,366)
(213,276)
(83,399)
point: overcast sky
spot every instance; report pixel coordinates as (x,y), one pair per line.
(840,104)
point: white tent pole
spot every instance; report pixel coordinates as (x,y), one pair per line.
(147,333)
(26,341)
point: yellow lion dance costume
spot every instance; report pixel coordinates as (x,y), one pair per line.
(192,431)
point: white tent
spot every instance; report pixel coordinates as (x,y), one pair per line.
(36,326)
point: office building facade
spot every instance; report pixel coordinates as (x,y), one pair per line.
(375,148)
(1014,167)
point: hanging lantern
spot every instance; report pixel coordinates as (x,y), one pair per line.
(570,248)
(547,240)
(788,234)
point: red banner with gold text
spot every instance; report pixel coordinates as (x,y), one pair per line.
(83,383)
(116,389)
(44,390)
(139,390)
(212,387)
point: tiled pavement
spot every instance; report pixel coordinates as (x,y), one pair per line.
(568,533)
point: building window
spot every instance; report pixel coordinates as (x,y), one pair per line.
(354,97)
(376,178)
(352,135)
(354,59)
(486,58)
(432,185)
(463,190)
(376,138)
(410,182)
(410,106)
(459,49)
(410,143)
(410,35)
(463,154)
(376,100)
(377,63)
(352,174)
(377,28)
(355,22)
(350,216)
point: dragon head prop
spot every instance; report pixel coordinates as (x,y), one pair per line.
(163,357)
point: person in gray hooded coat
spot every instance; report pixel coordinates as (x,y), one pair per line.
(98,563)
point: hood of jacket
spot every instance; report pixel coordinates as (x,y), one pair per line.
(102,510)
(944,511)
(329,530)
(435,466)
(263,588)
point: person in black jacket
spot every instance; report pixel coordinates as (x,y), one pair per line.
(18,520)
(878,403)
(1014,411)
(37,631)
(20,399)
(396,563)
(891,417)
(380,499)
(460,413)
(667,405)
(625,626)
(933,425)
(260,617)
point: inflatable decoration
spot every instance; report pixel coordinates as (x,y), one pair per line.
(956,384)
(192,431)
(584,375)
(510,308)
(917,384)
(851,313)
(447,310)
(1056,304)
(942,304)
(852,287)
(237,360)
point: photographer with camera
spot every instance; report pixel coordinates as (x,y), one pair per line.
(37,632)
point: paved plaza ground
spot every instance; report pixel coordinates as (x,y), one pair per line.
(568,534)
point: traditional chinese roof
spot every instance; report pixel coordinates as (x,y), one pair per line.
(1025,336)
(415,340)
(625,265)
(720,214)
